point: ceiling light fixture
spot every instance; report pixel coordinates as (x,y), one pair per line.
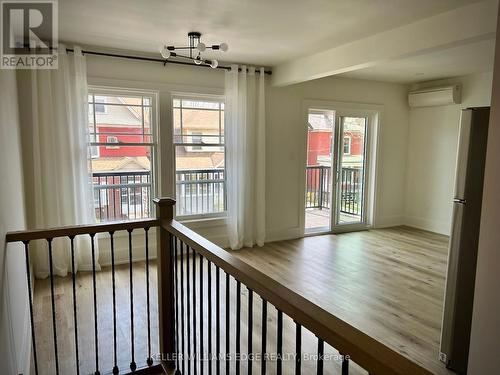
(195,48)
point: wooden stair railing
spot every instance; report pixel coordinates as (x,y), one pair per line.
(176,240)
(70,233)
(181,258)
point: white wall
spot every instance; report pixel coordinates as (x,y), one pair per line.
(485,335)
(432,148)
(14,323)
(285,133)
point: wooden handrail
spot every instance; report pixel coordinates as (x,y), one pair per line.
(363,349)
(367,352)
(74,230)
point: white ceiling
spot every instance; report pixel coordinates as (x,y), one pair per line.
(264,32)
(452,62)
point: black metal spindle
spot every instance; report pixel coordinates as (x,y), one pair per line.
(173,241)
(238,325)
(182,307)
(298,349)
(264,337)
(133,365)
(217,319)
(53,302)
(321,351)
(75,320)
(30,299)
(228,348)
(195,362)
(279,344)
(250,330)
(149,360)
(209,292)
(345,364)
(188,313)
(113,281)
(201,316)
(96,340)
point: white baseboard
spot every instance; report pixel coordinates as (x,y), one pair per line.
(436,226)
(285,234)
(389,221)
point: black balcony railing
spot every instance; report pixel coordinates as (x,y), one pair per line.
(318,186)
(126,195)
(122,195)
(200,191)
(351,191)
(318,189)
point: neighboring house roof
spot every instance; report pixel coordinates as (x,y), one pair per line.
(142,163)
(324,122)
(205,161)
(118,115)
(320,121)
(126,163)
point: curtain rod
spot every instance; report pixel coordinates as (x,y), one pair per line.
(152,59)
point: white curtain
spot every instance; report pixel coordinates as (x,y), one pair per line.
(246,156)
(62,185)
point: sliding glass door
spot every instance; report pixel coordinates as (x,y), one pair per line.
(318,199)
(350,170)
(336,170)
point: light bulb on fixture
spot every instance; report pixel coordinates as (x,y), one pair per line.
(201,46)
(214,64)
(198,60)
(165,53)
(223,47)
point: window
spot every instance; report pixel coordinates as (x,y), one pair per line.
(123,176)
(200,175)
(347,146)
(99,104)
(112,139)
(98,107)
(197,140)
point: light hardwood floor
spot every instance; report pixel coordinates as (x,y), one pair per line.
(389,283)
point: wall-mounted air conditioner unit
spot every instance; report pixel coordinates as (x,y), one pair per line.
(435,96)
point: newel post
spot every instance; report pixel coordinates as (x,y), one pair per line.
(165,271)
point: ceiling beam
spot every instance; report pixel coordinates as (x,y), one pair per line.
(467,24)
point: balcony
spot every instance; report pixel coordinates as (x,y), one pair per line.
(200,192)
(125,195)
(319,196)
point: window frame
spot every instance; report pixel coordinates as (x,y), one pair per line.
(222,136)
(102,90)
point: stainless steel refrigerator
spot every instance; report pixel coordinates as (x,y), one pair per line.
(462,256)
